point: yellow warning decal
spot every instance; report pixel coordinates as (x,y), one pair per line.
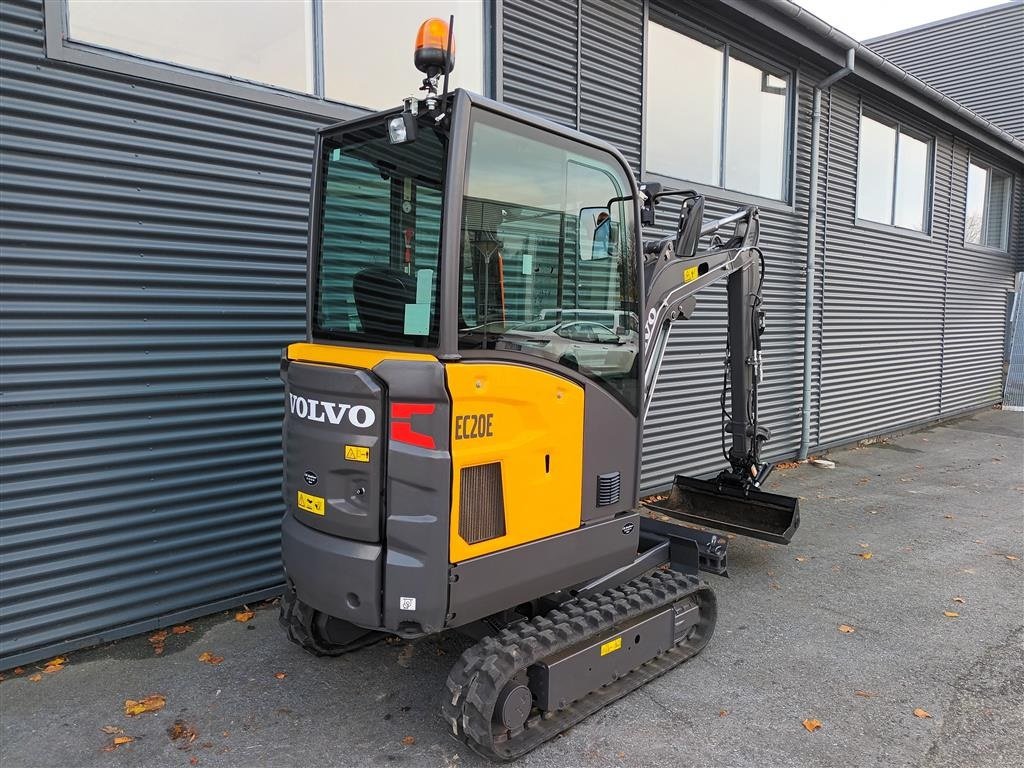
(314,504)
(690,274)
(357,453)
(611,645)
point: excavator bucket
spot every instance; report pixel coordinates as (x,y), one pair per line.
(750,512)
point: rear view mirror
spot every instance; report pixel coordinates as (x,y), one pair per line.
(597,234)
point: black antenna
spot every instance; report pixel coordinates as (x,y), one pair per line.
(448,56)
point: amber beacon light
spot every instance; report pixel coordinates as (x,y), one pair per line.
(432,55)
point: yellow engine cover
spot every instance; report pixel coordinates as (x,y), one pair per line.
(531,423)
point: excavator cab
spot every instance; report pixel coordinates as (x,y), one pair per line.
(463,421)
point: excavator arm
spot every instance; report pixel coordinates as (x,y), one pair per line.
(675,271)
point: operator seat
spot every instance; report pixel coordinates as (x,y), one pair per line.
(380,296)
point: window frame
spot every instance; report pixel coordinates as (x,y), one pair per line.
(749,56)
(974,158)
(929,197)
(60,46)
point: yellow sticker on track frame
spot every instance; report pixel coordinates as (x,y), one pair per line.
(357,453)
(611,645)
(310,503)
(690,274)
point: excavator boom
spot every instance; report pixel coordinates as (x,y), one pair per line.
(676,271)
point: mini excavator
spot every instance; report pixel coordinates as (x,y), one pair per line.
(463,423)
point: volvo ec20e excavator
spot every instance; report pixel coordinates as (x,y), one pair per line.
(463,423)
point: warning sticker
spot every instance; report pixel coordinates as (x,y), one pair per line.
(357,453)
(690,274)
(310,503)
(611,645)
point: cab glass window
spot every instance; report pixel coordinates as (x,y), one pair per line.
(547,264)
(376,278)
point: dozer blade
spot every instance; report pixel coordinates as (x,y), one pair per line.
(750,512)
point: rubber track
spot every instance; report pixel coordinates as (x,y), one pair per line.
(484,669)
(299,621)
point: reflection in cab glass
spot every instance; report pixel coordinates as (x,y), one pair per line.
(547,266)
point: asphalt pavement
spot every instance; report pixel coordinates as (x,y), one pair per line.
(940,511)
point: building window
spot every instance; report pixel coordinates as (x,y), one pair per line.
(349,52)
(714,115)
(893,175)
(368,48)
(988,206)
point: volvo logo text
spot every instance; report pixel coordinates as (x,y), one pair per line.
(331,413)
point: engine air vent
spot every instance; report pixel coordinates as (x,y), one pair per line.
(608,488)
(481,503)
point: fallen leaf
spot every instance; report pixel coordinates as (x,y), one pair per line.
(1011,557)
(774,585)
(812,725)
(408,740)
(787,465)
(55,665)
(181,629)
(181,729)
(19,671)
(111,729)
(921,713)
(244,616)
(801,559)
(280,675)
(193,760)
(152,703)
(209,658)
(950,614)
(959,600)
(862,545)
(723,712)
(948,517)
(846,629)
(117,741)
(157,641)
(864,694)
(864,555)
(35,678)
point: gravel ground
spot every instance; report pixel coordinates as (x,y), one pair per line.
(940,511)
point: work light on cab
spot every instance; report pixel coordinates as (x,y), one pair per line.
(434,57)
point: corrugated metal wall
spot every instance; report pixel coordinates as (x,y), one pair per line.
(977,282)
(539,58)
(883,300)
(913,324)
(977,59)
(153,267)
(153,253)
